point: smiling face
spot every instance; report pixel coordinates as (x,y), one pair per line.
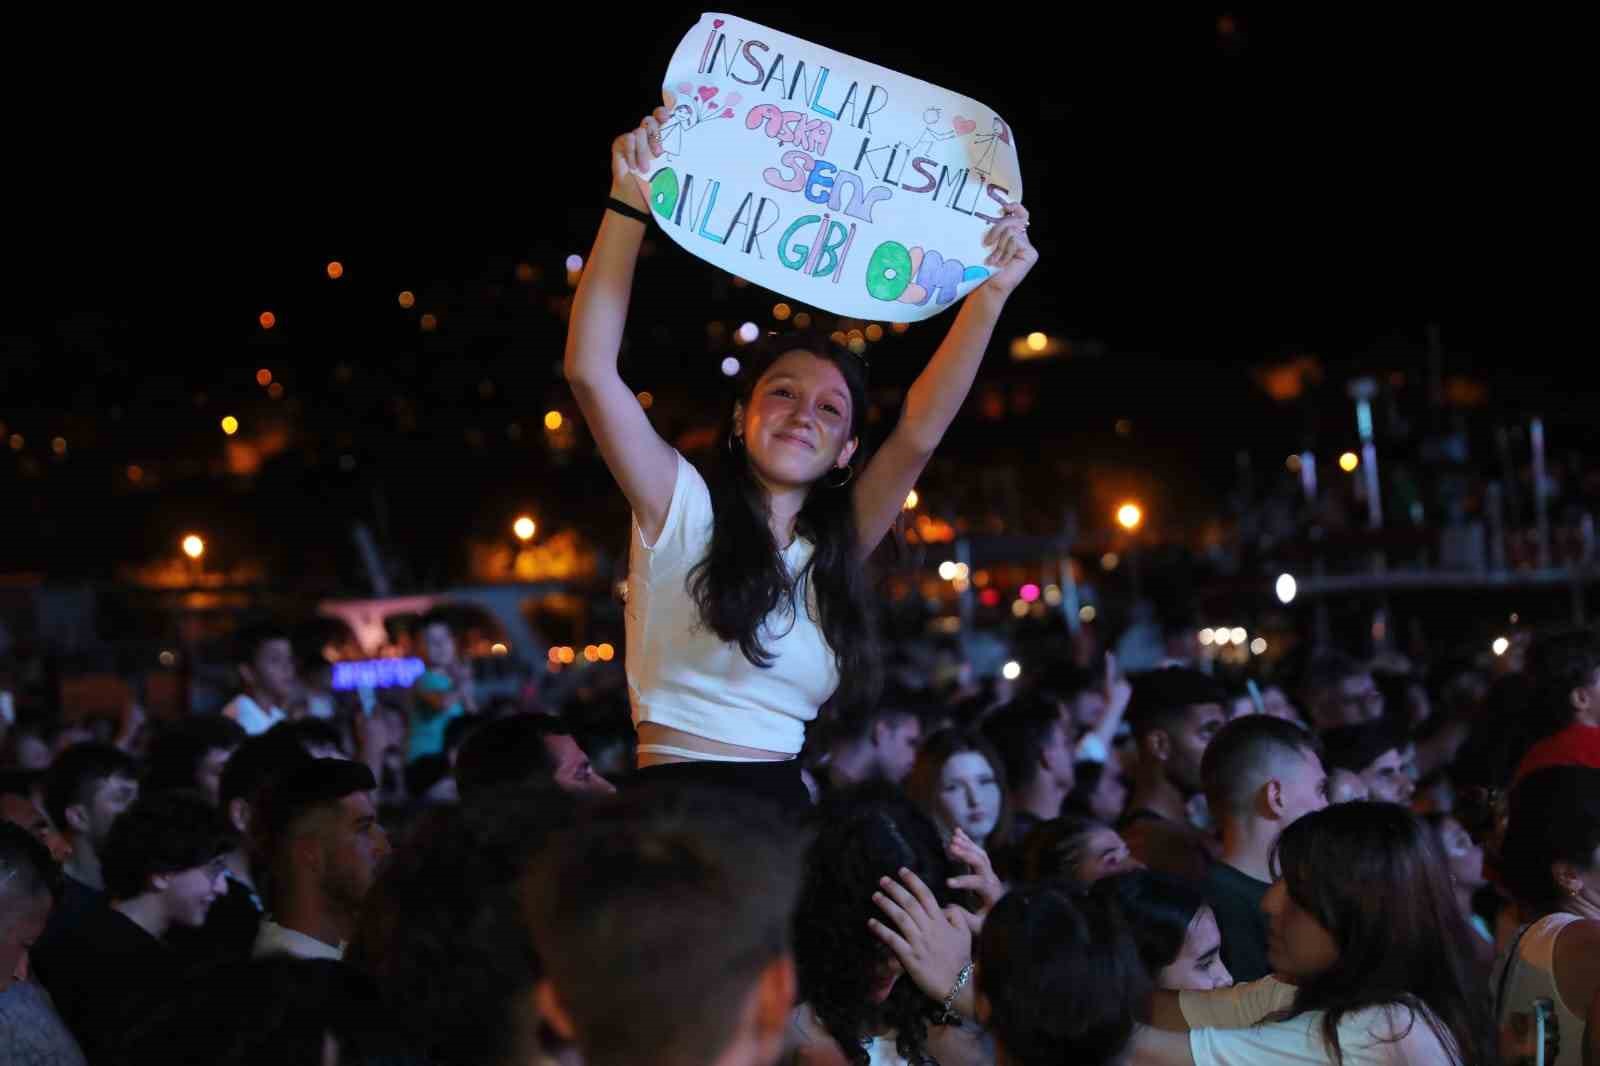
(797,424)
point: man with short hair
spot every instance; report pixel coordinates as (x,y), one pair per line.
(879,746)
(1374,752)
(663,925)
(522,749)
(265,661)
(1261,774)
(1174,713)
(1340,691)
(1032,741)
(31,1032)
(163,867)
(318,831)
(85,789)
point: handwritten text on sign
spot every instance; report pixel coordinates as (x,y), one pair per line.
(831,180)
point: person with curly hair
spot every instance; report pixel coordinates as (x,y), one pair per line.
(1075,850)
(163,868)
(854,995)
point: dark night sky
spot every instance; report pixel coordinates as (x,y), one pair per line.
(1206,201)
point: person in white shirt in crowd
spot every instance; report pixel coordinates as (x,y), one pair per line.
(748,605)
(1550,863)
(265,661)
(1371,960)
(1175,930)
(317,831)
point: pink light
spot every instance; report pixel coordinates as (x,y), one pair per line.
(1029,593)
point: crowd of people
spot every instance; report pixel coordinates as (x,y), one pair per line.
(959,885)
(791,863)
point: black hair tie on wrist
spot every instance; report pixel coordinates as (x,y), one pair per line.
(614,204)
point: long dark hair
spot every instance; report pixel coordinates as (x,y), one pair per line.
(863,834)
(922,785)
(1372,875)
(1062,977)
(1159,909)
(743,579)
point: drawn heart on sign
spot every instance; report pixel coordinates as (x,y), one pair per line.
(733,99)
(716,24)
(707,92)
(685,88)
(963,126)
(727,112)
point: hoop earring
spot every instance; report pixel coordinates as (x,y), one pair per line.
(732,436)
(849,472)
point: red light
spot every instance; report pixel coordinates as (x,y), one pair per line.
(989,597)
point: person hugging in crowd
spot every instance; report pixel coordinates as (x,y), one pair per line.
(1175,929)
(1372,960)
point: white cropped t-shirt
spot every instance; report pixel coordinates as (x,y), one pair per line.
(682,675)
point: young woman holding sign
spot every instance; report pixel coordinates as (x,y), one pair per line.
(747,603)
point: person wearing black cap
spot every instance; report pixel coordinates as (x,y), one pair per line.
(1374,752)
(317,831)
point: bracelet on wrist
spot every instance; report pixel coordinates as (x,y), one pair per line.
(627,210)
(949,1015)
